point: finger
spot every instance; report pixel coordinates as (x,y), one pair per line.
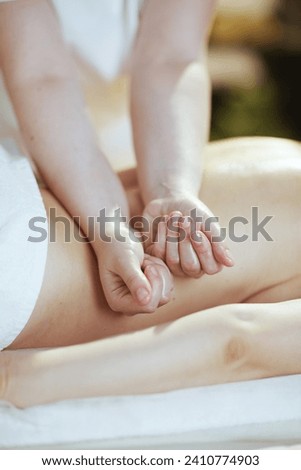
(153,209)
(156,282)
(131,273)
(167,279)
(189,260)
(203,249)
(151,213)
(213,232)
(159,250)
(222,254)
(117,294)
(172,244)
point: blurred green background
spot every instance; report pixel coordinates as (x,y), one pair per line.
(255,63)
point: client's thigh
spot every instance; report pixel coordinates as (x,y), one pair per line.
(71,307)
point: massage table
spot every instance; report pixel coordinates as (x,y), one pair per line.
(246,415)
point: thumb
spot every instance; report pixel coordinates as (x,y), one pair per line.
(130,271)
(155,215)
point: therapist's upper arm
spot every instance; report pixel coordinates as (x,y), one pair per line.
(31,43)
(173,30)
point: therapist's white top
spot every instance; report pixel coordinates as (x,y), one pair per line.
(102,31)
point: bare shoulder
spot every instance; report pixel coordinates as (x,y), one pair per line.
(255,148)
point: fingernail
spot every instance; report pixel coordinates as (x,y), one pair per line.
(142,295)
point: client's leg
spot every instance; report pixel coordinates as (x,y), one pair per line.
(223,344)
(239,174)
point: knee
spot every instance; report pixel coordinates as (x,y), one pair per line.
(236,351)
(238,357)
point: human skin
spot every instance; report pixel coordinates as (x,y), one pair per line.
(44,89)
(170,113)
(253,172)
(246,325)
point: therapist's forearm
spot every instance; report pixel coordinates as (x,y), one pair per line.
(61,140)
(170,106)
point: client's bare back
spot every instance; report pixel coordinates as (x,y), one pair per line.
(240,174)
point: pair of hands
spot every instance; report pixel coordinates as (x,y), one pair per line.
(138,279)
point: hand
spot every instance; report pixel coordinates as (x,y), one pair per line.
(133,282)
(195,252)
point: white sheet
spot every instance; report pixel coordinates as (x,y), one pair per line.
(251,414)
(22,257)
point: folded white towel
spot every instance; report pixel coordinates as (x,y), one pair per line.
(22,262)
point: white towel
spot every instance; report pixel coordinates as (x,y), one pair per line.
(22,262)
